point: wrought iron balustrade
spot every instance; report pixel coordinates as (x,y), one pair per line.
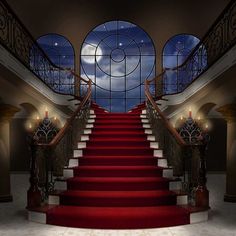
(18,40)
(49,158)
(49,155)
(183,156)
(219,39)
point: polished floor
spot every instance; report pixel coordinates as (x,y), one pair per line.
(222,222)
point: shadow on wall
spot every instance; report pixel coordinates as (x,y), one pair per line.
(19,152)
(216,152)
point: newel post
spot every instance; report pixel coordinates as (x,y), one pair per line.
(34,197)
(202,193)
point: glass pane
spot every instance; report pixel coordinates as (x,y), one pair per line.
(118,105)
(120,57)
(131,103)
(101,93)
(118,84)
(147,66)
(134,93)
(102,80)
(133,80)
(105,103)
(118,94)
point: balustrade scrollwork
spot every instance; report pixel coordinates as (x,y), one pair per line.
(219,39)
(17,39)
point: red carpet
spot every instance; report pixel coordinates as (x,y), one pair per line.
(118,184)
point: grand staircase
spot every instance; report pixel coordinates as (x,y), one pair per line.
(117,179)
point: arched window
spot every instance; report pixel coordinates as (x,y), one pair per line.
(61,53)
(118,57)
(175,52)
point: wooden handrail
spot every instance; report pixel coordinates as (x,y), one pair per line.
(69,122)
(167,124)
(77,76)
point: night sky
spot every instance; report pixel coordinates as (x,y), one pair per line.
(118,57)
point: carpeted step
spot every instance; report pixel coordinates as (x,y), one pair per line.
(118,198)
(118,160)
(118,171)
(117,183)
(106,116)
(116,114)
(104,128)
(117,142)
(118,125)
(127,151)
(109,121)
(118,134)
(118,217)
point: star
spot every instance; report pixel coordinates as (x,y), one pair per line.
(120,44)
(56,44)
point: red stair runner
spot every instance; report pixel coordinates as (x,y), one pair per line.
(118,184)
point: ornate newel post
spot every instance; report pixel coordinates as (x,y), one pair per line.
(229,113)
(6,113)
(202,193)
(195,134)
(34,197)
(40,135)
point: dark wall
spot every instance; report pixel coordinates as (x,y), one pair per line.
(19,152)
(216,153)
(161,19)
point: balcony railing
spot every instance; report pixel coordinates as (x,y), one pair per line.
(18,40)
(219,39)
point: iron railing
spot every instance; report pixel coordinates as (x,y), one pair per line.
(186,158)
(50,156)
(18,41)
(219,39)
(180,154)
(49,159)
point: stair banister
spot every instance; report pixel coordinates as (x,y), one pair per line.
(163,117)
(69,122)
(176,150)
(64,139)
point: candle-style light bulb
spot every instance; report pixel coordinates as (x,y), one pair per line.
(181,117)
(30,126)
(190,112)
(37,120)
(206,127)
(55,118)
(199,118)
(46,112)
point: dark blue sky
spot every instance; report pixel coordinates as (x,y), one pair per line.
(118,56)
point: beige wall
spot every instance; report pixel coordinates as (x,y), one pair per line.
(161,19)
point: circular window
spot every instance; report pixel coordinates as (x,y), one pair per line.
(118,57)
